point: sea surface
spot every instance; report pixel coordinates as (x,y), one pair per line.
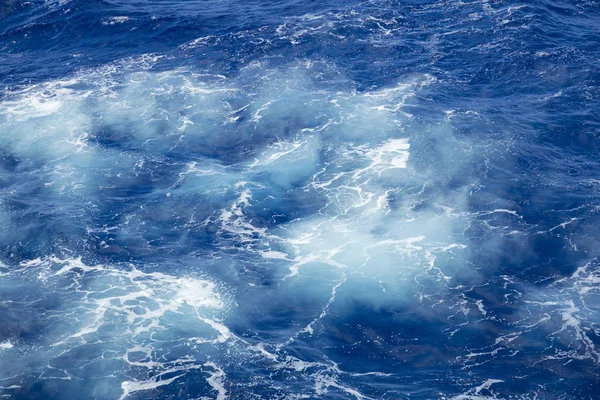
(334,199)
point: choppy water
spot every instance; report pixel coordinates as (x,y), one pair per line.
(205,199)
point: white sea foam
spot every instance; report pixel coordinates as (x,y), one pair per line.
(115,20)
(137,306)
(217,380)
(6,346)
(475,393)
(379,209)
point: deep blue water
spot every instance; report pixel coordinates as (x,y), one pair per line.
(209,199)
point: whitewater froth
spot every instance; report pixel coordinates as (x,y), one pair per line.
(290,207)
(96,138)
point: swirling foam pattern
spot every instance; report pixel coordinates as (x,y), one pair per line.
(378,199)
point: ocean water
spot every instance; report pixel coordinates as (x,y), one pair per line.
(210,199)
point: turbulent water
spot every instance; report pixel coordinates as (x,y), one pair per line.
(208,199)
